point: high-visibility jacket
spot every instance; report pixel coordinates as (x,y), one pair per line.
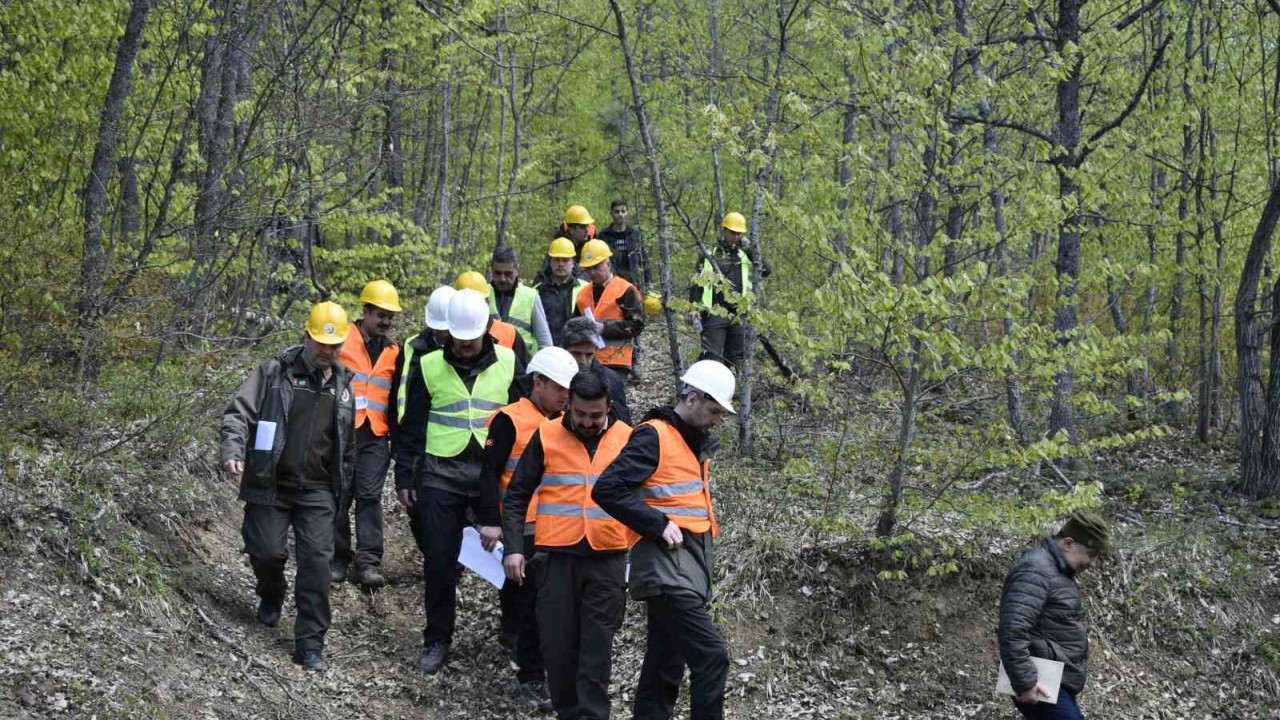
(519,314)
(614,352)
(706,277)
(526,417)
(458,415)
(566,512)
(503,333)
(371,382)
(679,487)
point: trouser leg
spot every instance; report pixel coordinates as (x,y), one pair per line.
(683,619)
(661,672)
(312,517)
(1065,709)
(713,337)
(528,639)
(374,455)
(735,342)
(441,517)
(557,611)
(508,605)
(603,601)
(266,540)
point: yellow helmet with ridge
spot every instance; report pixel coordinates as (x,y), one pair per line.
(594,252)
(562,248)
(652,304)
(577,215)
(381,293)
(328,324)
(734,221)
(472,280)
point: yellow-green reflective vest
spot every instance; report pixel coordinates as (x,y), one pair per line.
(456,415)
(402,393)
(519,314)
(706,277)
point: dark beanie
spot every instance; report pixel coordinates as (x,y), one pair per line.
(1088,529)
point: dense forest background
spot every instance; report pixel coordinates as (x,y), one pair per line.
(1015,247)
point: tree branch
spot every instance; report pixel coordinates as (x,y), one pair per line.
(968,119)
(1133,101)
(1134,16)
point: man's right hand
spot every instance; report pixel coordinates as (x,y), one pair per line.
(672,536)
(408,498)
(513,566)
(234,468)
(1033,694)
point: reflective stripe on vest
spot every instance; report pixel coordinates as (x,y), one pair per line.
(526,417)
(370,382)
(456,415)
(614,352)
(566,512)
(706,278)
(679,486)
(503,333)
(402,392)
(520,314)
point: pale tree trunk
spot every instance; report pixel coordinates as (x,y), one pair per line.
(713,26)
(96,261)
(392,159)
(516,139)
(655,185)
(848,136)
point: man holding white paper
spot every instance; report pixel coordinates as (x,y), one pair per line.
(614,305)
(1042,617)
(287,437)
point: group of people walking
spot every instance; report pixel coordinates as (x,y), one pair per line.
(507,413)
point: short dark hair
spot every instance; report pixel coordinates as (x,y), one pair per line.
(577,331)
(617,203)
(588,385)
(504,254)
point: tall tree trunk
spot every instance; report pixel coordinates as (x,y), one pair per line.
(95,263)
(655,185)
(393,163)
(1259,449)
(713,27)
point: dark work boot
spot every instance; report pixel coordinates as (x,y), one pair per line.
(338,572)
(268,613)
(370,577)
(431,659)
(310,660)
(532,693)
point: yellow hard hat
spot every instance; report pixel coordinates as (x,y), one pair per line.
(381,293)
(562,248)
(652,304)
(735,222)
(594,252)
(472,280)
(577,215)
(328,324)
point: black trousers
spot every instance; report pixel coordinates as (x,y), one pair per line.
(581,602)
(265,530)
(723,339)
(373,454)
(681,633)
(441,517)
(519,603)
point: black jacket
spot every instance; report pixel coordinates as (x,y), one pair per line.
(267,395)
(654,568)
(617,390)
(629,259)
(1041,614)
(558,300)
(728,264)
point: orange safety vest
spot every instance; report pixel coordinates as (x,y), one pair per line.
(678,488)
(614,352)
(372,382)
(526,417)
(503,333)
(566,512)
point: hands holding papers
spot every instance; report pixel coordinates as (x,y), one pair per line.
(486,564)
(1049,681)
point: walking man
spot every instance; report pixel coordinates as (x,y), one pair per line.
(580,340)
(439,449)
(615,306)
(579,552)
(559,290)
(371,355)
(1041,615)
(722,288)
(629,258)
(287,435)
(658,487)
(515,302)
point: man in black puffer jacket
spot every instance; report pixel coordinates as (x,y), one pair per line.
(1041,615)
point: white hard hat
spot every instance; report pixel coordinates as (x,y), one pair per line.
(714,379)
(438,307)
(468,315)
(556,364)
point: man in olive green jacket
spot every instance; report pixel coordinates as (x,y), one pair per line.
(287,437)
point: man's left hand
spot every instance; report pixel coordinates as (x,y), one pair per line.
(489,537)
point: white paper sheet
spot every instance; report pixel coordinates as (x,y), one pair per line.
(586,313)
(487,565)
(265,437)
(1049,674)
